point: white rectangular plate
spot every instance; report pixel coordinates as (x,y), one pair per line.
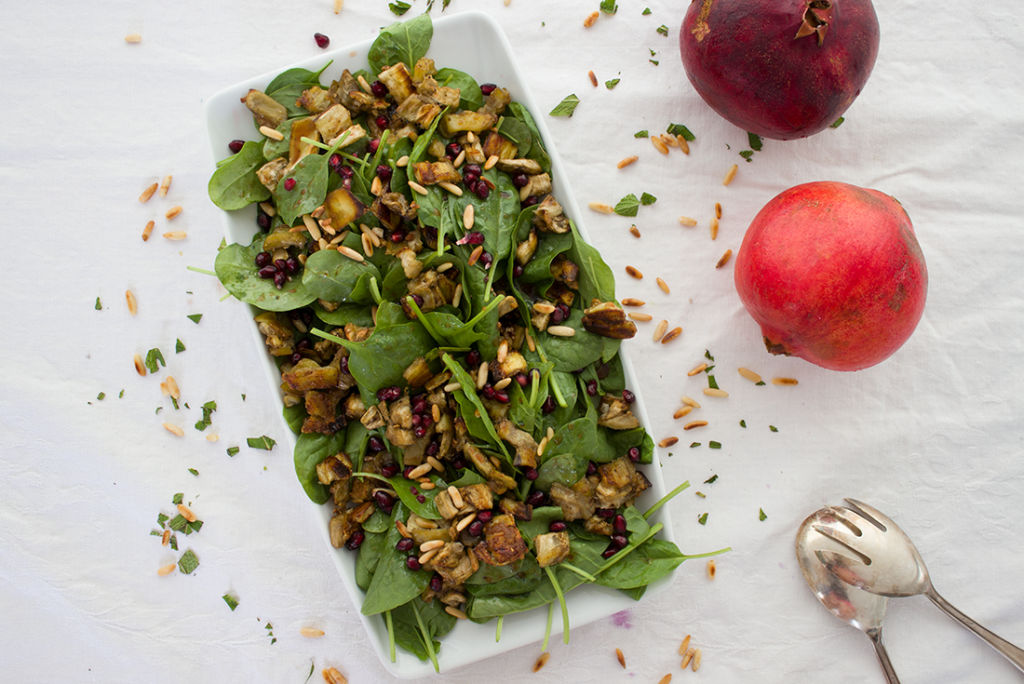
(474,43)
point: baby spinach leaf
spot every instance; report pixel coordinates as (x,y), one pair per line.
(567,107)
(565,468)
(309,191)
(272,149)
(538,270)
(294,416)
(356,437)
(516,578)
(470,96)
(393,584)
(496,216)
(537,151)
(540,520)
(576,352)
(236,270)
(403,41)
(651,561)
(468,391)
(516,131)
(368,557)
(596,280)
(234,184)
(332,276)
(379,360)
(288,86)
(310,450)
(345,313)
(408,632)
(426,508)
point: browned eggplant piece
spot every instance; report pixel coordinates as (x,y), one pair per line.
(577,501)
(454,564)
(278,333)
(333,121)
(271,173)
(615,414)
(460,122)
(549,216)
(424,67)
(525,446)
(608,320)
(343,207)
(502,543)
(307,374)
(333,469)
(346,90)
(496,101)
(418,110)
(477,497)
(374,417)
(417,373)
(620,483)
(266,110)
(441,171)
(497,145)
(435,290)
(429,88)
(519,510)
(552,548)
(297,149)
(322,412)
(398,81)
(283,238)
(500,482)
(315,100)
(539,184)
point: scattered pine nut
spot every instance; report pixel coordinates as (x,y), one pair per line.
(133,38)
(270,211)
(165,185)
(683,647)
(687,221)
(491,161)
(601,208)
(543,659)
(730,174)
(667,442)
(148,230)
(175,235)
(456,613)
(689,401)
(699,368)
(663,285)
(376,186)
(417,188)
(431,544)
(367,244)
(212,437)
(627,161)
(659,331)
(331,674)
(419,471)
(469,217)
(474,256)
(174,429)
(140,367)
(749,374)
(311,632)
(169,387)
(457,297)
(669,140)
(186,513)
(587,23)
(561,331)
(672,334)
(148,193)
(133,305)
(543,308)
(695,424)
(724,259)
(592,77)
(502,384)
(465,522)
(718,210)
(785,381)
(620,657)
(695,663)
(684,145)
(350,253)
(629,301)
(666,679)
(711,569)
(685,410)
(165,538)
(272,133)
(714,229)
(481,375)
(167,569)
(452,188)
(634,272)
(338,4)
(641,317)
(435,464)
(687,657)
(459,160)
(659,144)
(634,231)
(715,392)
(455,495)
(364,84)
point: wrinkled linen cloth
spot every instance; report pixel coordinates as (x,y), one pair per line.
(932,436)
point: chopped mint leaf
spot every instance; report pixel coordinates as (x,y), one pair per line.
(101,396)
(609,6)
(663,30)
(99,305)
(154,359)
(773,428)
(647,199)
(641,134)
(194,471)
(712,444)
(261,442)
(188,562)
(837,123)
(628,205)
(747,154)
(712,383)
(611,83)
(761,515)
(208,409)
(703,518)
(711,479)
(162,519)
(399,8)
(743,423)
(195,318)
(647,10)
(232,450)
(566,107)
(179,346)
(680,129)
(755,142)
(231,600)
(694,445)
(178,498)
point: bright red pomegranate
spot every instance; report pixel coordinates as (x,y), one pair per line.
(782,69)
(833,274)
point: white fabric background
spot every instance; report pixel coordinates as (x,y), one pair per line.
(931,436)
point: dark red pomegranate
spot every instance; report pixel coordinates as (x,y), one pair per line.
(834,274)
(782,69)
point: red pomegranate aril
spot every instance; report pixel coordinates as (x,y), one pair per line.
(289,184)
(419,432)
(609,552)
(501,397)
(384,172)
(373,145)
(263,221)
(433,448)
(413,563)
(280,278)
(405,544)
(263,259)
(296,357)
(419,405)
(548,406)
(322,41)
(378,89)
(523,379)
(487,88)
(475,528)
(452,150)
(557,316)
(520,180)
(474,238)
(375,443)
(436,584)
(486,259)
(383,499)
(280,264)
(426,420)
(267,271)
(529,201)
(591,468)
(421,498)
(536,498)
(619,541)
(292,265)
(619,524)
(485,516)
(346,171)
(628,396)
(517,270)
(334,163)
(389,469)
(356,540)
(531,474)
(605,512)
(473,169)
(480,189)
(592,387)
(473,358)
(389,393)
(397,236)
(381,121)
(557,526)
(236,146)
(634,454)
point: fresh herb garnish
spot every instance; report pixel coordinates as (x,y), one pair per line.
(188,562)
(179,346)
(611,83)
(647,10)
(399,8)
(663,30)
(743,423)
(195,318)
(99,305)
(566,107)
(101,396)
(194,471)
(178,498)
(837,123)
(208,409)
(711,479)
(628,205)
(754,141)
(680,129)
(712,444)
(647,199)
(232,450)
(609,6)
(261,442)
(232,602)
(761,515)
(773,428)
(702,518)
(154,359)
(641,134)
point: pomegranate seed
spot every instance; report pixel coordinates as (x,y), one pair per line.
(292,265)
(557,316)
(280,278)
(355,541)
(296,357)
(474,169)
(334,163)
(591,468)
(413,563)
(520,180)
(457,464)
(634,454)
(373,145)
(501,397)
(488,391)
(609,552)
(548,406)
(421,498)
(384,172)
(263,221)
(481,189)
(426,420)
(405,544)
(487,88)
(557,526)
(236,146)
(405,474)
(389,393)
(592,387)
(346,171)
(486,259)
(383,499)
(281,264)
(263,259)
(531,474)
(619,524)
(397,236)
(474,238)
(381,121)
(536,498)
(485,516)
(436,583)
(417,419)
(523,379)
(628,396)
(322,41)
(473,358)
(475,528)
(389,469)
(303,344)
(433,448)
(419,431)
(267,271)
(605,512)
(378,89)
(289,184)
(529,201)
(619,541)
(452,150)
(517,270)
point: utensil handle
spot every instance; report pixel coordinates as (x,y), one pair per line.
(883,658)
(1014,654)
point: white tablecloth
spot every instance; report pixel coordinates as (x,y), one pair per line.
(932,436)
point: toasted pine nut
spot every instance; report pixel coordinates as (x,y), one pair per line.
(749,374)
(491,161)
(133,38)
(166,569)
(561,331)
(785,381)
(689,401)
(684,411)
(148,192)
(133,305)
(587,23)
(593,77)
(683,143)
(456,613)
(667,442)
(724,259)
(620,657)
(695,424)
(417,188)
(148,230)
(662,285)
(641,317)
(711,569)
(351,253)
(174,429)
(165,185)
(311,632)
(730,174)
(672,334)
(272,133)
(431,544)
(699,368)
(543,659)
(469,217)
(627,161)
(659,331)
(687,221)
(602,208)
(634,231)
(659,144)
(634,272)
(419,471)
(186,513)
(175,235)
(714,229)
(140,367)
(455,495)
(331,674)
(629,301)
(683,647)
(715,392)
(452,188)
(666,679)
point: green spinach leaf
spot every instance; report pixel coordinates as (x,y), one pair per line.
(234,185)
(332,276)
(236,270)
(403,41)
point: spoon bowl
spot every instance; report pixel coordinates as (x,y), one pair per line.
(863,610)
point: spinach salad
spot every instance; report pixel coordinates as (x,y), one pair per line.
(447,343)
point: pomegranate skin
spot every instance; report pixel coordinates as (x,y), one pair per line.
(783,69)
(833,273)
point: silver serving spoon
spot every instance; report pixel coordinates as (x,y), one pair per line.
(878,557)
(861,609)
